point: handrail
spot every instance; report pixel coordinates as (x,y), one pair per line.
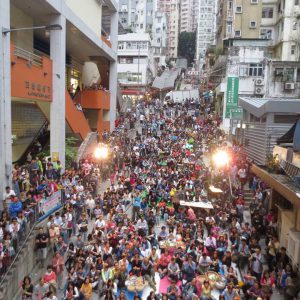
(32,58)
(3,277)
(36,221)
(32,143)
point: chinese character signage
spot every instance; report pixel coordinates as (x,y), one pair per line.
(37,90)
(232,95)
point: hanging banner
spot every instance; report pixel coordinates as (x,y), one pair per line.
(232,95)
(49,205)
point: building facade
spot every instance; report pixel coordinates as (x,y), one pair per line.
(238,19)
(205,28)
(42,68)
(159,39)
(188,15)
(135,63)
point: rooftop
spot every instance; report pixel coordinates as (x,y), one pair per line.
(260,106)
(134,37)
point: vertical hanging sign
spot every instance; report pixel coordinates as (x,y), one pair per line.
(232,95)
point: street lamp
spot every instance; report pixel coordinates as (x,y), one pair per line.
(46,27)
(221,159)
(101,152)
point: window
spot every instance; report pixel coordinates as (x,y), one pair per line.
(123,20)
(296,2)
(255,70)
(267,12)
(254,1)
(239,9)
(293,49)
(229,28)
(266,34)
(121,46)
(252,24)
(298,75)
(295,25)
(290,74)
(237,33)
(124,7)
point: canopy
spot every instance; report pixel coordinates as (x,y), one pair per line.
(201,204)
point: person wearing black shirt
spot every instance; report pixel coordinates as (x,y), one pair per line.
(83,226)
(136,265)
(41,241)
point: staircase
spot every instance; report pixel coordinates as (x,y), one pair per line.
(248,196)
(76,118)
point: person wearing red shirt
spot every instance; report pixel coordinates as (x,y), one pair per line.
(163,262)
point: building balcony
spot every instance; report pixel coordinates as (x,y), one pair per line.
(94,99)
(31,75)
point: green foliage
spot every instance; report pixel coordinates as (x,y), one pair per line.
(71,150)
(272,162)
(187,45)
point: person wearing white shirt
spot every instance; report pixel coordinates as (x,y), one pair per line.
(210,244)
(57,219)
(90,204)
(7,195)
(204,263)
(100,223)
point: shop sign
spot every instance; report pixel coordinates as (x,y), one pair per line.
(232,95)
(55,156)
(37,90)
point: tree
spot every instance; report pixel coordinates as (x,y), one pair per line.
(187,45)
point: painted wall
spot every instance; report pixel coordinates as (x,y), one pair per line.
(22,39)
(90,13)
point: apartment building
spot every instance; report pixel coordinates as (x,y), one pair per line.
(43,66)
(159,38)
(238,19)
(188,15)
(135,64)
(281,26)
(205,29)
(127,14)
(173,28)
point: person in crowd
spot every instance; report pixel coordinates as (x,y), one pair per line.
(135,226)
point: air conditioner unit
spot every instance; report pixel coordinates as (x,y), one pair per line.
(289,86)
(259,81)
(259,91)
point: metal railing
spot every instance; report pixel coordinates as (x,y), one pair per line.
(32,58)
(18,241)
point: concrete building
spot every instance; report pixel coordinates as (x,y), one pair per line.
(238,19)
(173,28)
(264,120)
(205,29)
(281,26)
(188,15)
(127,14)
(284,191)
(135,64)
(159,39)
(40,66)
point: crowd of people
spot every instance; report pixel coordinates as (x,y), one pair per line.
(137,235)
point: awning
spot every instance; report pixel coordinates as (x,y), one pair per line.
(131,92)
(260,106)
(280,183)
(288,137)
(206,205)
